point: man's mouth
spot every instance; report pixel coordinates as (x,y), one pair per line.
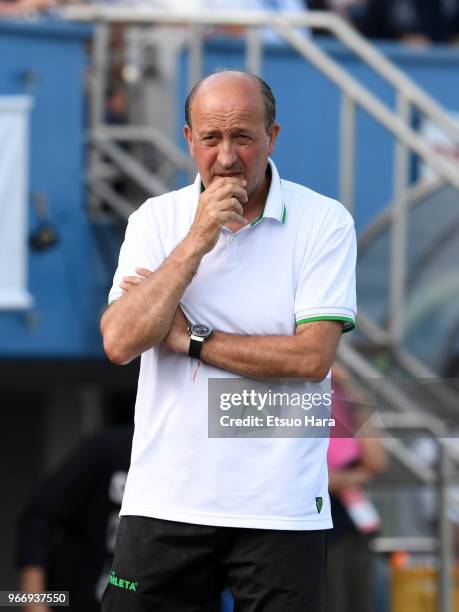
(230,175)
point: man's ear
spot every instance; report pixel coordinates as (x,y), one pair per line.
(272,135)
(188,137)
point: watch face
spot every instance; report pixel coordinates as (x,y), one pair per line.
(201,331)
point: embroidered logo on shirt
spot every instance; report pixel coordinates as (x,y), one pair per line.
(319,504)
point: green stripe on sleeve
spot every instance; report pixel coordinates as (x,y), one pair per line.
(348,326)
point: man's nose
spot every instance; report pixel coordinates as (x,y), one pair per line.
(227,155)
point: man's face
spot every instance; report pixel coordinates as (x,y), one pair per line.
(228,135)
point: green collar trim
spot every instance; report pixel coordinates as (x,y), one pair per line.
(284,214)
(259,218)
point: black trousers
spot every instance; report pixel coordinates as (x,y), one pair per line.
(165,566)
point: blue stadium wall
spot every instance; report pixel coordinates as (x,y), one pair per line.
(69,282)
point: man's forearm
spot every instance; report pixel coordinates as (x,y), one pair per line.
(33,580)
(269,356)
(142,317)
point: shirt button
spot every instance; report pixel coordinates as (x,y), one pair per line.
(232,239)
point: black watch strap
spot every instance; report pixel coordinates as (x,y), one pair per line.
(195,348)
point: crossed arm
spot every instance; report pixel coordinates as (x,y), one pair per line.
(141,318)
(307,354)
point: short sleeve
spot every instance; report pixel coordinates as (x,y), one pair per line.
(142,248)
(326,284)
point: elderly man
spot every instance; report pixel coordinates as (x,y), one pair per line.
(241,274)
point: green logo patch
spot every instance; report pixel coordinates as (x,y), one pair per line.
(319,504)
(122,583)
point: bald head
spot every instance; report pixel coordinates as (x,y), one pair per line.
(232,80)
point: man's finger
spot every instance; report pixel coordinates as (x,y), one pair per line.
(143,272)
(228,204)
(218,181)
(232,190)
(232,217)
(132,280)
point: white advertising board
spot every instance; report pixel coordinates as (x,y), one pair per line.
(14,152)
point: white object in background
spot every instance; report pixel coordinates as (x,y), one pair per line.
(14,153)
(441,142)
(361,510)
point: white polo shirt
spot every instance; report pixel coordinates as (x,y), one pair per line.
(294,264)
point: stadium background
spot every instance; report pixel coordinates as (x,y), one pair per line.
(91,115)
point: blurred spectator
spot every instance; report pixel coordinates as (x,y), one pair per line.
(253,5)
(415,22)
(292,6)
(346,8)
(20,8)
(351,10)
(66,535)
(117,104)
(352,462)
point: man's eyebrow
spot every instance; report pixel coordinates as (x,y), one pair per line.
(209,133)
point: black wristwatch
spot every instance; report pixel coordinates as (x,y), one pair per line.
(198,335)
